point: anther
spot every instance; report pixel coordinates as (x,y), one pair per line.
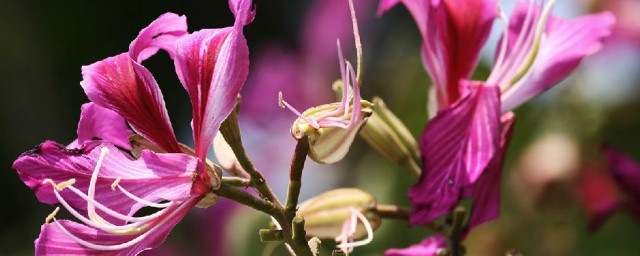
(52,215)
(115,183)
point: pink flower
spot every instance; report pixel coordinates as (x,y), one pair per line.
(102,185)
(537,51)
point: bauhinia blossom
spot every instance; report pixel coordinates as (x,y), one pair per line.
(101,184)
(462,141)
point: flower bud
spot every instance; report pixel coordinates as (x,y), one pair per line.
(325,214)
(329,144)
(389,136)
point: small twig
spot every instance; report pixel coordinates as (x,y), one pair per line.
(393,212)
(458,216)
(231,132)
(236,181)
(295,177)
(403,213)
(241,196)
(271,235)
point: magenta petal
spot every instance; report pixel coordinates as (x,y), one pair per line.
(486,204)
(153,177)
(212,64)
(242,11)
(456,146)
(119,84)
(625,171)
(53,241)
(599,196)
(565,44)
(453,31)
(99,122)
(162,33)
(428,247)
(463,31)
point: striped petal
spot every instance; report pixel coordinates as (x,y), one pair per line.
(563,46)
(152,177)
(486,203)
(122,84)
(456,146)
(212,65)
(66,237)
(453,31)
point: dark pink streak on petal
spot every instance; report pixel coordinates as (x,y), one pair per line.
(625,171)
(53,241)
(486,203)
(153,177)
(453,31)
(103,123)
(565,44)
(212,65)
(456,146)
(463,31)
(428,247)
(162,33)
(119,84)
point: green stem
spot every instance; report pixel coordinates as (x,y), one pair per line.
(241,196)
(236,182)
(454,245)
(295,177)
(403,213)
(231,132)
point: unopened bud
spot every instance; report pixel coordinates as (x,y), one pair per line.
(389,136)
(325,214)
(227,158)
(330,143)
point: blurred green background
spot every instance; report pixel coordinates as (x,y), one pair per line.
(44,44)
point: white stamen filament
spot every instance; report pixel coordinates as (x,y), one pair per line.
(349,116)
(141,226)
(133,228)
(91,210)
(129,243)
(346,238)
(142,201)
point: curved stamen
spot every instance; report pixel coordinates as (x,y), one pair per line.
(282,103)
(138,199)
(133,228)
(91,210)
(357,107)
(136,240)
(348,233)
